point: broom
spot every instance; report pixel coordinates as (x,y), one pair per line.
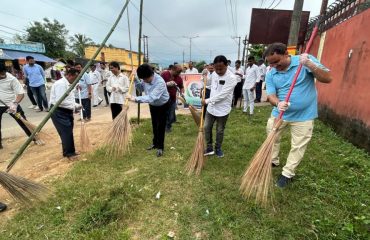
(118,135)
(257,179)
(194,112)
(31,127)
(196,161)
(84,138)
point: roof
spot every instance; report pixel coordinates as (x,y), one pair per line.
(13,55)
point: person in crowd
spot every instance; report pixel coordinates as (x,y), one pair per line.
(117,85)
(36,80)
(173,82)
(157,96)
(262,72)
(219,104)
(84,85)
(239,73)
(300,111)
(105,75)
(191,69)
(95,79)
(252,76)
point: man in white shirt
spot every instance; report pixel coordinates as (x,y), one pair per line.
(191,69)
(262,72)
(105,75)
(207,74)
(117,86)
(11,93)
(239,73)
(62,118)
(223,82)
(95,79)
(251,78)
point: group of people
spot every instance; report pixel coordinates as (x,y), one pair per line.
(221,82)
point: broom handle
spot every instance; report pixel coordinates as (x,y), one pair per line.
(47,117)
(296,75)
(79,98)
(17,115)
(203,106)
(130,87)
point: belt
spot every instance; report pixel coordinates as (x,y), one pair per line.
(65,110)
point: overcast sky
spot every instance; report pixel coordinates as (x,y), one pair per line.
(166,22)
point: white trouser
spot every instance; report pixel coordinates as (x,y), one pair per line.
(248,100)
(96,98)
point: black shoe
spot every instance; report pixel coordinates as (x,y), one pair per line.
(274,165)
(151,147)
(209,151)
(100,102)
(2,207)
(283,181)
(168,130)
(159,153)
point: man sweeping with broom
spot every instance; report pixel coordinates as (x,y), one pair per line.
(157,96)
(300,111)
(11,93)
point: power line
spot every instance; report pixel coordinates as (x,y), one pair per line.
(272,3)
(7,32)
(277,4)
(14,29)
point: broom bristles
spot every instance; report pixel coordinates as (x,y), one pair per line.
(23,190)
(40,136)
(257,179)
(84,139)
(196,161)
(118,135)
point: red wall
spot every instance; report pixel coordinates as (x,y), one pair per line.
(349,93)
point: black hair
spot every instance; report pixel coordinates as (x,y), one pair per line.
(78,63)
(228,61)
(238,61)
(29,58)
(92,65)
(170,66)
(115,65)
(261,60)
(220,59)
(251,58)
(72,71)
(145,71)
(2,67)
(70,62)
(278,48)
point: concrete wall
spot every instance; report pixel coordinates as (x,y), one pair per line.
(345,103)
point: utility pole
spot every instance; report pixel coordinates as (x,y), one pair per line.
(210,56)
(324,5)
(295,23)
(238,45)
(183,58)
(245,42)
(146,49)
(139,52)
(190,38)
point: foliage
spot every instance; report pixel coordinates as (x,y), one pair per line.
(51,33)
(200,65)
(115,198)
(256,50)
(79,42)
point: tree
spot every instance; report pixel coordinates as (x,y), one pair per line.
(79,42)
(256,50)
(200,65)
(51,33)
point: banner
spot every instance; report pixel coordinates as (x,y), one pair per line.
(193,86)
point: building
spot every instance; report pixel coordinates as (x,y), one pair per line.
(120,55)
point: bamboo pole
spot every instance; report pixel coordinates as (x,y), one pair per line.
(139,51)
(52,110)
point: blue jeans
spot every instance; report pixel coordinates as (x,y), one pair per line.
(40,94)
(171,114)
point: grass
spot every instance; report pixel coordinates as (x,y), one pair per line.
(115,198)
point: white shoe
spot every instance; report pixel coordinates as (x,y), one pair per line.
(32,106)
(36,108)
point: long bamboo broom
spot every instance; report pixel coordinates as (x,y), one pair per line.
(197,160)
(194,112)
(31,127)
(27,190)
(119,135)
(257,179)
(84,138)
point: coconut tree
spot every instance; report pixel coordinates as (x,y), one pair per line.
(79,42)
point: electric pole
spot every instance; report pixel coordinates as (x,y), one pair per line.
(295,23)
(146,49)
(139,52)
(324,5)
(245,42)
(238,45)
(183,58)
(190,38)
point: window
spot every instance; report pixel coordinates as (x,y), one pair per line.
(129,55)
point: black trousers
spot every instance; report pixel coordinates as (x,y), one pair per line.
(237,93)
(116,109)
(259,91)
(86,107)
(20,123)
(63,121)
(29,93)
(159,116)
(106,95)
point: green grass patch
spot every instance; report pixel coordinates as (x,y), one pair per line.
(115,198)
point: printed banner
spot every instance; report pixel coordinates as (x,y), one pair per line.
(193,86)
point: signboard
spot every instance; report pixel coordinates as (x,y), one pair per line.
(292,50)
(193,86)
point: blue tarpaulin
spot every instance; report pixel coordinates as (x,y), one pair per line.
(18,54)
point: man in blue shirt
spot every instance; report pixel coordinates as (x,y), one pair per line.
(36,80)
(84,85)
(301,110)
(157,96)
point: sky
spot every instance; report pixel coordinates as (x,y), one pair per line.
(167,23)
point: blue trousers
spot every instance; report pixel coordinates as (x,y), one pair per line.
(171,114)
(63,122)
(40,94)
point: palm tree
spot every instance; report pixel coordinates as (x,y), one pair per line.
(79,42)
